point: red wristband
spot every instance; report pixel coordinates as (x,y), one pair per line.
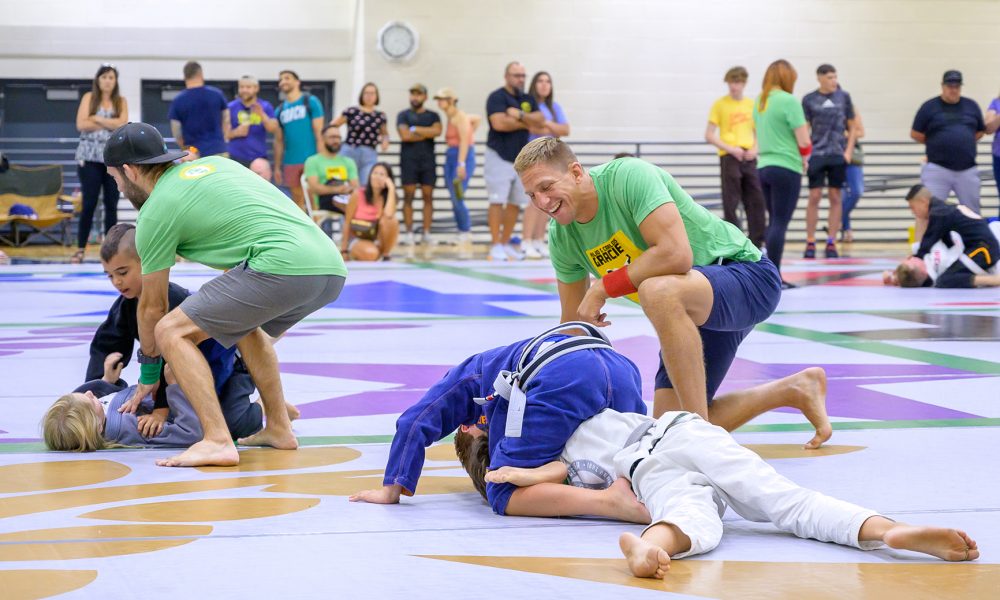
(617,283)
(807,150)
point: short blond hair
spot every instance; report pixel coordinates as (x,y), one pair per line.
(909,276)
(70,425)
(736,74)
(548,150)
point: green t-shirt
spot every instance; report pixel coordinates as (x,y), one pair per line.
(628,189)
(325,168)
(216,212)
(776,131)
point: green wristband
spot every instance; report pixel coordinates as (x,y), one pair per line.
(150,373)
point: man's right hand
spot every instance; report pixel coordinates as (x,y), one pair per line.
(113,367)
(141,391)
(738,153)
(278,179)
(388,494)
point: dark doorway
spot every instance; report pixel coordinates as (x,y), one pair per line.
(40,108)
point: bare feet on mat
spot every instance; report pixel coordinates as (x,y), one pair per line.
(947,544)
(811,387)
(644,559)
(202,454)
(269,436)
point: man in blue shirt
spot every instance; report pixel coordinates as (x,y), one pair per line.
(250,120)
(199,117)
(950,126)
(300,119)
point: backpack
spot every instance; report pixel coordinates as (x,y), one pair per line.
(306,100)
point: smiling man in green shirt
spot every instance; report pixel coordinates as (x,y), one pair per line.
(701,282)
(280,268)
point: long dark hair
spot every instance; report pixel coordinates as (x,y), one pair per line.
(369,192)
(95,91)
(533,90)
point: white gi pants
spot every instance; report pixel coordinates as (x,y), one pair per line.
(697,469)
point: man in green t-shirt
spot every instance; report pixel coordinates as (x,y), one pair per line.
(331,177)
(701,282)
(280,268)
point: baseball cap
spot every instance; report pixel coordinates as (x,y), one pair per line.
(952,77)
(419,87)
(138,144)
(445,93)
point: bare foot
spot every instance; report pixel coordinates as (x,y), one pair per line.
(811,387)
(644,559)
(269,436)
(624,505)
(204,453)
(947,544)
(293,413)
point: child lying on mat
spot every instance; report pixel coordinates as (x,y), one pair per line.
(686,471)
(83,421)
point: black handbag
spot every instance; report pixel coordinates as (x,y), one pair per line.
(364,230)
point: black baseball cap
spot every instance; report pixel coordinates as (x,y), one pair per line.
(138,144)
(952,77)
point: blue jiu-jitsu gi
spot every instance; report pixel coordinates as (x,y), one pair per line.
(559,397)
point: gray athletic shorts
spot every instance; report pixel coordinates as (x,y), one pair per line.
(240,300)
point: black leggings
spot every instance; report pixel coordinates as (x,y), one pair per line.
(781,188)
(94,177)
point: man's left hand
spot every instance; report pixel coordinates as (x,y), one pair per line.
(848,156)
(141,391)
(590,308)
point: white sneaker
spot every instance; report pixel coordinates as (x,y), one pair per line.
(531,250)
(497,253)
(542,248)
(512,252)
(408,238)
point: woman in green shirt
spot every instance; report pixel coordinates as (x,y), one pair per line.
(784,153)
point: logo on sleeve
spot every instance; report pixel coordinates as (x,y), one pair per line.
(616,253)
(196,171)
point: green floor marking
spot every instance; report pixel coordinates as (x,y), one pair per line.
(973,365)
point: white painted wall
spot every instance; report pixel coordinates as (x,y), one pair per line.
(624,69)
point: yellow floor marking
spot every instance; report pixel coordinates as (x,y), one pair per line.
(748,580)
(197,511)
(30,584)
(269,459)
(95,541)
(39,476)
(778,451)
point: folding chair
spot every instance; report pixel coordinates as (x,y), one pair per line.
(39,188)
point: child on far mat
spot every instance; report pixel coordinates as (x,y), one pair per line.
(82,421)
(686,471)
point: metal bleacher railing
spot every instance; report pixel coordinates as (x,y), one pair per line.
(890,168)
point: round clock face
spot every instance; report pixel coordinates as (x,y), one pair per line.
(397,41)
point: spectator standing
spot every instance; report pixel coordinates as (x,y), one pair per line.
(784,153)
(199,115)
(459,162)
(102,110)
(250,120)
(331,176)
(950,125)
(511,113)
(417,129)
(830,114)
(854,187)
(730,129)
(300,118)
(367,130)
(556,125)
(992,124)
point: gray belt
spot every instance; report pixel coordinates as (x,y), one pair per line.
(643,429)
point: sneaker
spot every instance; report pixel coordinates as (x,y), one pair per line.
(513,253)
(408,238)
(810,250)
(831,250)
(531,250)
(542,248)
(497,253)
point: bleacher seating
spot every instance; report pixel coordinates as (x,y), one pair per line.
(881,216)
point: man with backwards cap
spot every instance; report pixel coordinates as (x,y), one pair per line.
(281,268)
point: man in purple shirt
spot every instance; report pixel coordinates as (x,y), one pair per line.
(250,120)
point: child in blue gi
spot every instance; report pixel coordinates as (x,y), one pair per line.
(687,489)
(563,394)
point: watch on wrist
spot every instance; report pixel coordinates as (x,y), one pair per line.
(147,360)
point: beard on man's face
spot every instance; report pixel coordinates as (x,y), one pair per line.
(332,148)
(135,194)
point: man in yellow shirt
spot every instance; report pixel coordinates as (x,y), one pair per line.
(730,129)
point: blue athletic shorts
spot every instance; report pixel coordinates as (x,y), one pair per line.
(744,294)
